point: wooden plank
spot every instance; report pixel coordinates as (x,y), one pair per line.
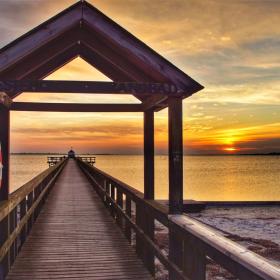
(175,131)
(75,107)
(50,86)
(149,168)
(74,237)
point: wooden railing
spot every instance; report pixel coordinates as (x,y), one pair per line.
(191,243)
(19,212)
(88,159)
(54,160)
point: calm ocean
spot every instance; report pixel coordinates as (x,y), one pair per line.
(205,177)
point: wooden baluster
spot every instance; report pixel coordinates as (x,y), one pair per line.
(128,213)
(107,190)
(194,264)
(12,226)
(120,204)
(113,198)
(149,229)
(30,198)
(4,263)
(140,218)
(175,250)
(23,232)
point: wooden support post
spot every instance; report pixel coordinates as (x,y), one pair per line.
(5,145)
(175,122)
(5,103)
(149,168)
(149,185)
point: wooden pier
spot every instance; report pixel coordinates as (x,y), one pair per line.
(74,221)
(74,237)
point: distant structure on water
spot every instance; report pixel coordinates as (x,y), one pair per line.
(71,154)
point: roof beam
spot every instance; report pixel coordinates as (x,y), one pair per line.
(74,107)
(89,87)
(39,36)
(31,62)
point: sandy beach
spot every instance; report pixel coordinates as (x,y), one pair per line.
(256,228)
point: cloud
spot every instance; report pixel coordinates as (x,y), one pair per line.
(231,47)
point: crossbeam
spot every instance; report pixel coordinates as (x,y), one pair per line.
(74,107)
(89,87)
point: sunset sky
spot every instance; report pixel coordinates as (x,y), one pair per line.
(231,47)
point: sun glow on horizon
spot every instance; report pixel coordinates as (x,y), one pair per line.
(230,149)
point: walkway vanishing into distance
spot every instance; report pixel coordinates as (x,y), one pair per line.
(75,238)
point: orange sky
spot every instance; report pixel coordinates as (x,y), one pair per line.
(223,47)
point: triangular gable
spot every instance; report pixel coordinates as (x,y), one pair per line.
(82,30)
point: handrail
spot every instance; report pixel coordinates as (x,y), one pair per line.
(19,212)
(191,243)
(222,250)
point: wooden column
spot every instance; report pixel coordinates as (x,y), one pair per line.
(4,187)
(175,123)
(149,168)
(149,186)
(4,141)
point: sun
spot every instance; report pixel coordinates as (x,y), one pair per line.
(230,149)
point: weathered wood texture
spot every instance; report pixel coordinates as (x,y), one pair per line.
(5,146)
(72,107)
(175,135)
(14,86)
(74,237)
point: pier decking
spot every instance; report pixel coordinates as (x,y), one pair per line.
(74,237)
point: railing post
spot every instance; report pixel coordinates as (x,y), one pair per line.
(176,250)
(23,233)
(5,262)
(119,203)
(194,265)
(149,229)
(128,213)
(12,226)
(139,222)
(30,198)
(113,198)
